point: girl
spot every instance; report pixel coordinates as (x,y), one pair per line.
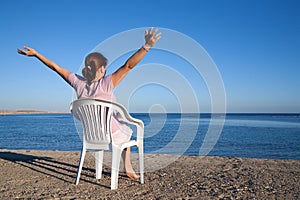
(94,84)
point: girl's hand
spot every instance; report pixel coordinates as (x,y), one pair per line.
(27,52)
(151,37)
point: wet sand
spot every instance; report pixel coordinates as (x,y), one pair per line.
(51,175)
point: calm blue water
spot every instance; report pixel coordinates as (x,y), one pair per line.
(243,135)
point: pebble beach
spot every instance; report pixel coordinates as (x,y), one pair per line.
(51,175)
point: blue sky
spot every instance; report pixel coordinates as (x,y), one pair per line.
(255,45)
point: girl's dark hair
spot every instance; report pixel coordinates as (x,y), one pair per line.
(92,62)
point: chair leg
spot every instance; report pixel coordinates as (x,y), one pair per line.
(116,156)
(141,163)
(99,163)
(83,151)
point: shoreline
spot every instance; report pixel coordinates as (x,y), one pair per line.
(175,155)
(51,174)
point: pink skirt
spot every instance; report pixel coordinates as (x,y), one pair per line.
(121,132)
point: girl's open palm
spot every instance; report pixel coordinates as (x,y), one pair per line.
(152,36)
(27,52)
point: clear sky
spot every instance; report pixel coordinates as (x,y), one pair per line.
(254,44)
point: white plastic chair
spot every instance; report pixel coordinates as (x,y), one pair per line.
(95,116)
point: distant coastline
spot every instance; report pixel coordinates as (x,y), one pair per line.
(17,112)
(13,112)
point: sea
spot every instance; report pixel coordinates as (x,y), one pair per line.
(254,135)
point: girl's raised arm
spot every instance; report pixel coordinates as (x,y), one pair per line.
(151,37)
(27,51)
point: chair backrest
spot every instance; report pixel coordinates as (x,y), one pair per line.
(95,116)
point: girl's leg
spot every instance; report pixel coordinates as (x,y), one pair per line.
(128,167)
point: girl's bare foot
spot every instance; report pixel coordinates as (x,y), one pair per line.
(132,175)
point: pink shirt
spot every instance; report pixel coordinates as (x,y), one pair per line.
(102,89)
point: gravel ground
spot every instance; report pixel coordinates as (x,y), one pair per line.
(51,175)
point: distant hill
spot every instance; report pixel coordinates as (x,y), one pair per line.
(9,112)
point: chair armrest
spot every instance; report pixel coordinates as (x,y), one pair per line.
(126,116)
